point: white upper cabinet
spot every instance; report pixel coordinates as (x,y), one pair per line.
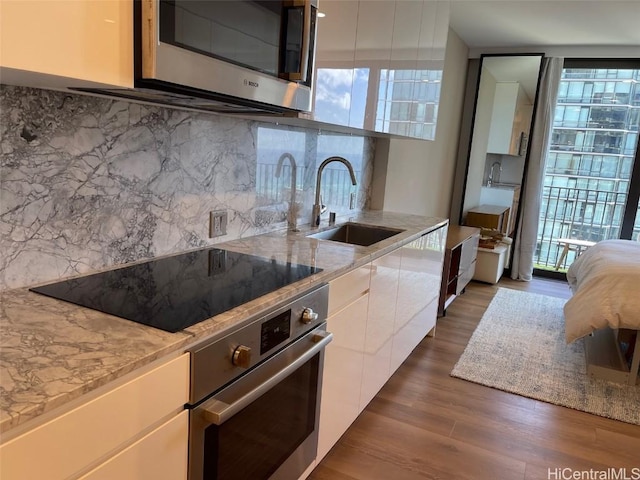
(510,119)
(375,33)
(57,44)
(428,19)
(441,31)
(372,59)
(335,61)
(405,43)
(392,82)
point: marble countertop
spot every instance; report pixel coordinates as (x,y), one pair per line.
(52,352)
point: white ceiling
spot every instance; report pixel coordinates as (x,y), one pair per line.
(486,24)
(521,69)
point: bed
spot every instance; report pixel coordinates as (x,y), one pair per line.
(605,309)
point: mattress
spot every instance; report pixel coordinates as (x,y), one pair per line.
(605,281)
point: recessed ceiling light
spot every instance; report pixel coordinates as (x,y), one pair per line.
(321,14)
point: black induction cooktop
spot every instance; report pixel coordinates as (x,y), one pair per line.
(176,292)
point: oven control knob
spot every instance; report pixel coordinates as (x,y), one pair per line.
(308,315)
(241,356)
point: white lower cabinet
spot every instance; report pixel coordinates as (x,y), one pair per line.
(343,360)
(380,325)
(377,314)
(418,291)
(114,431)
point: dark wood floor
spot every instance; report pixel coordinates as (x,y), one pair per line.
(426,424)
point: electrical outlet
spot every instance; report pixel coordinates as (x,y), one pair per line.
(217,223)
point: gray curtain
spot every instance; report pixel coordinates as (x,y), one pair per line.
(531,194)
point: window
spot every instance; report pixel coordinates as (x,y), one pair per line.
(592,178)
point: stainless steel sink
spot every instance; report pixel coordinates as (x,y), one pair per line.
(356,234)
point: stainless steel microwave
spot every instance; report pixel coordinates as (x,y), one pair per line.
(232,56)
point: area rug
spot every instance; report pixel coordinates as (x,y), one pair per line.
(519,347)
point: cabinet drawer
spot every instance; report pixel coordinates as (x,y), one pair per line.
(72,441)
(160,455)
(469,252)
(348,288)
(465,277)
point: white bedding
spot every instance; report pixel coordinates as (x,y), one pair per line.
(605,281)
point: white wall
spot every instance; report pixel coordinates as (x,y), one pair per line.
(418,177)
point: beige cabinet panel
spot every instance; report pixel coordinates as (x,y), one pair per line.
(66,43)
(74,440)
(160,455)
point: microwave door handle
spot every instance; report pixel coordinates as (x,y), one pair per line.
(216,412)
(306,39)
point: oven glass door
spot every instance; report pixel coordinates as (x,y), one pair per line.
(263,425)
(270,36)
(255,442)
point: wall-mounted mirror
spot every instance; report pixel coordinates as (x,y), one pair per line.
(494,152)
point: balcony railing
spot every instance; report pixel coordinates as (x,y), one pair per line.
(577,213)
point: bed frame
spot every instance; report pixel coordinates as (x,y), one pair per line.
(609,360)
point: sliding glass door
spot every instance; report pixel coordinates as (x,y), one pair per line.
(592,178)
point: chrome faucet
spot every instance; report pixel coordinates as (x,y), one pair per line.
(292,214)
(492,178)
(317,207)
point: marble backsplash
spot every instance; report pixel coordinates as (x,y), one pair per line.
(88,183)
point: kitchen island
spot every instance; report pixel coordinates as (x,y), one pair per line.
(56,354)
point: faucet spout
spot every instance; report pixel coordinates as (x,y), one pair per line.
(317,207)
(492,176)
(293,208)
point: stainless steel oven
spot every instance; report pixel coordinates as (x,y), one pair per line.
(255,395)
(253,50)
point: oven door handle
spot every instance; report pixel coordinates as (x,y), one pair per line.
(216,412)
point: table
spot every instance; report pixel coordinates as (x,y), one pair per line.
(572,244)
